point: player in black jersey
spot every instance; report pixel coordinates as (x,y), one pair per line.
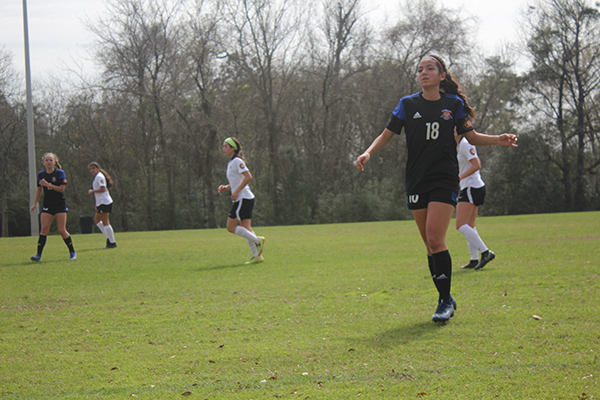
(52,181)
(429,119)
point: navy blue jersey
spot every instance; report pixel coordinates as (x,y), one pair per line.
(429,128)
(52,198)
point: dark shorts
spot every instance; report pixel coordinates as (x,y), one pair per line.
(104,208)
(471,195)
(53,210)
(242,209)
(422,200)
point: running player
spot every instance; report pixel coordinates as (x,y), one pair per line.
(240,214)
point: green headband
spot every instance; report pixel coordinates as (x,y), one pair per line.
(232,143)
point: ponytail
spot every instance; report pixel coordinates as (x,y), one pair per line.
(55,157)
(109,181)
(452,86)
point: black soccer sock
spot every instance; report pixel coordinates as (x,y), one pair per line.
(443,273)
(41,244)
(431,264)
(69,243)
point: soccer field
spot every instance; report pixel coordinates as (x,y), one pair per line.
(335,312)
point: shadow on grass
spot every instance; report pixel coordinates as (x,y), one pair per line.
(403,335)
(220,267)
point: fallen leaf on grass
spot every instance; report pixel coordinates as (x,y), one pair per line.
(537,317)
(186,393)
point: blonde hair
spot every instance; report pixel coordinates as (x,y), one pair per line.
(54,157)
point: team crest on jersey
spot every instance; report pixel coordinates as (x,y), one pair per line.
(447,115)
(472,151)
(467,124)
(242,166)
(53,179)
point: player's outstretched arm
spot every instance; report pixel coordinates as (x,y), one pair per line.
(481,139)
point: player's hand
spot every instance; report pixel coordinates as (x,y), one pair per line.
(222,188)
(508,139)
(362,160)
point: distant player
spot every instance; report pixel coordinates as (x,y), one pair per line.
(472,194)
(240,215)
(53,182)
(429,119)
(100,187)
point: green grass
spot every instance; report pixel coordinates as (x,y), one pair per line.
(335,312)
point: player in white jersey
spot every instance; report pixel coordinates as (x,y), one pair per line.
(429,119)
(240,215)
(100,187)
(472,195)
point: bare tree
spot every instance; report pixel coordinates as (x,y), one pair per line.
(564,87)
(266,47)
(138,47)
(13,143)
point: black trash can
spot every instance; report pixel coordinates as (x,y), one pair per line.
(86,224)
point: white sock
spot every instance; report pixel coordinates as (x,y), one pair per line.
(473,251)
(109,233)
(472,236)
(101,227)
(253,248)
(246,234)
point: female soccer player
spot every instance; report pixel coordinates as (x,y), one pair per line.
(240,214)
(472,194)
(53,182)
(100,186)
(432,185)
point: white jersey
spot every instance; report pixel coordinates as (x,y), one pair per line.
(465,152)
(235,169)
(104,197)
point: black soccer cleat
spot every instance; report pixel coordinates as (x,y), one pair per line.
(444,312)
(472,264)
(485,258)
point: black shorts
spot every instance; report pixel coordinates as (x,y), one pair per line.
(242,209)
(55,209)
(472,195)
(422,200)
(104,208)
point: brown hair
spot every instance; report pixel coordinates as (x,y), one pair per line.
(451,85)
(109,181)
(238,151)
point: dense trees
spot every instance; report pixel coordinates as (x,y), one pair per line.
(305,87)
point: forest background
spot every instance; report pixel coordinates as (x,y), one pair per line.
(305,87)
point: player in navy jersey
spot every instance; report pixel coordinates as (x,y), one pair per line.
(52,181)
(240,215)
(429,119)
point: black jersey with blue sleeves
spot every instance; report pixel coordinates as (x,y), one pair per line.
(429,129)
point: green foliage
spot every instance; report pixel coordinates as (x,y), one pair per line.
(335,312)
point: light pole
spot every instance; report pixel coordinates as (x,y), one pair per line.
(33,215)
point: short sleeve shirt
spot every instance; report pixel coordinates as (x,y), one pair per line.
(429,128)
(465,153)
(235,169)
(102,197)
(52,198)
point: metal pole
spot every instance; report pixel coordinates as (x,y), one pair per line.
(33,216)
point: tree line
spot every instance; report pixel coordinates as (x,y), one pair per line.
(305,87)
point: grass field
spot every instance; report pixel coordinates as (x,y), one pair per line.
(335,312)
